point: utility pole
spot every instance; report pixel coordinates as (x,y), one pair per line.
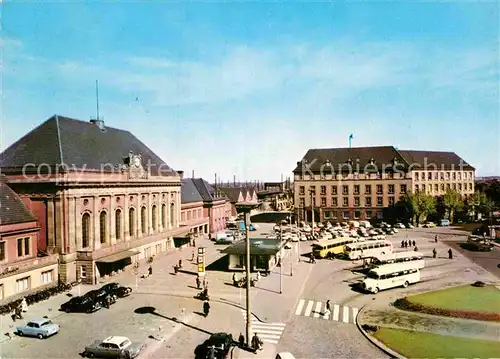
(281,258)
(312,210)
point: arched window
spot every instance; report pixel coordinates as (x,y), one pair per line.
(163,215)
(172,214)
(103,223)
(118,224)
(153,217)
(85,230)
(131,222)
(143,220)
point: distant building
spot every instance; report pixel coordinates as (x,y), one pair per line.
(264,255)
(340,184)
(102,198)
(239,194)
(22,266)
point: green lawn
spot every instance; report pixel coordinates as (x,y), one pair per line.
(426,345)
(467,298)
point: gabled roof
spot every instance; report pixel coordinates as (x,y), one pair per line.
(207,191)
(189,191)
(12,208)
(431,159)
(80,145)
(233,193)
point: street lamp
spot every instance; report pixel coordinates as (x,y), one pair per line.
(246,208)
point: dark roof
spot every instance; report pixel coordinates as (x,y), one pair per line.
(189,192)
(258,246)
(12,208)
(431,159)
(207,191)
(232,193)
(79,144)
(373,159)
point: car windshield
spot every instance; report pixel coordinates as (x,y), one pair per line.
(372,275)
(48,322)
(125,343)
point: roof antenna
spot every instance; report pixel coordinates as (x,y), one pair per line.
(97,97)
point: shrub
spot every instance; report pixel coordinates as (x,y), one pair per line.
(405,304)
(370,328)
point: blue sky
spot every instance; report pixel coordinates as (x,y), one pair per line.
(245,88)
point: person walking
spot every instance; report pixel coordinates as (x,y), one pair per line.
(241,340)
(150,271)
(414,244)
(256,343)
(192,256)
(415,249)
(206,308)
(402,244)
(436,238)
(328,310)
(434,253)
(198,283)
(450,254)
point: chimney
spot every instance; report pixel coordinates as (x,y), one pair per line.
(180,173)
(99,123)
(192,175)
(234,180)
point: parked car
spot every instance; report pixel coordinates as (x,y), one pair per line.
(116,289)
(81,304)
(221,344)
(444,223)
(399,225)
(429,225)
(409,225)
(41,328)
(99,295)
(113,347)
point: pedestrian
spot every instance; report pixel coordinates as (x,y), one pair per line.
(198,283)
(204,282)
(328,309)
(194,242)
(450,254)
(414,243)
(206,308)
(107,301)
(402,244)
(415,249)
(180,263)
(434,253)
(24,305)
(192,256)
(436,238)
(241,340)
(150,271)
(18,313)
(405,244)
(258,276)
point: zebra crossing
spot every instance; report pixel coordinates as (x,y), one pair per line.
(315,309)
(267,332)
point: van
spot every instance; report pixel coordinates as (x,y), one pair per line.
(390,276)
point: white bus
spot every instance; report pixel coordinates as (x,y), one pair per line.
(416,258)
(367,249)
(390,276)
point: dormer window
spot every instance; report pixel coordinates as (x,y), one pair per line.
(349,161)
(394,161)
(372,161)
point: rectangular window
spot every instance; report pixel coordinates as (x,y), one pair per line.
(459,176)
(357,214)
(2,251)
(459,187)
(345,202)
(356,189)
(403,188)
(417,188)
(442,186)
(314,202)
(454,186)
(380,215)
(436,176)
(380,201)
(302,202)
(334,202)
(356,201)
(429,176)
(368,201)
(368,214)
(391,201)
(22,284)
(417,176)
(345,189)
(323,201)
(436,187)
(313,190)
(441,176)
(345,214)
(327,214)
(447,176)
(23,247)
(334,190)
(448,186)
(83,272)
(391,189)
(323,189)
(423,187)
(1,292)
(302,190)
(470,186)
(47,277)
(453,176)
(380,189)
(183,216)
(368,189)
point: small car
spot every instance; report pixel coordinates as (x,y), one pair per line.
(99,295)
(81,305)
(113,347)
(41,328)
(218,343)
(117,290)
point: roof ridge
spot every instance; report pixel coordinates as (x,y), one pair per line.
(401,155)
(59,142)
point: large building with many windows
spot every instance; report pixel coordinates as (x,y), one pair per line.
(338,184)
(101,198)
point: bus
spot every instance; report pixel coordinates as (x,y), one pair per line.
(367,249)
(391,276)
(400,257)
(332,247)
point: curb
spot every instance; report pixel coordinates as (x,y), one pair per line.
(374,341)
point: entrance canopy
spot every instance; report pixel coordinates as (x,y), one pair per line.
(115,257)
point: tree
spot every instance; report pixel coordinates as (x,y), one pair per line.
(421,204)
(452,201)
(479,202)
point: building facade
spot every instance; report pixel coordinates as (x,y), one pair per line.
(216,205)
(193,213)
(341,184)
(22,269)
(239,194)
(102,198)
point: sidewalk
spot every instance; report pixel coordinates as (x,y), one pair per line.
(390,317)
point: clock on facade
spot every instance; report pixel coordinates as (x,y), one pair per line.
(137,161)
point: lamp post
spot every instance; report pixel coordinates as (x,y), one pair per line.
(281,258)
(246,208)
